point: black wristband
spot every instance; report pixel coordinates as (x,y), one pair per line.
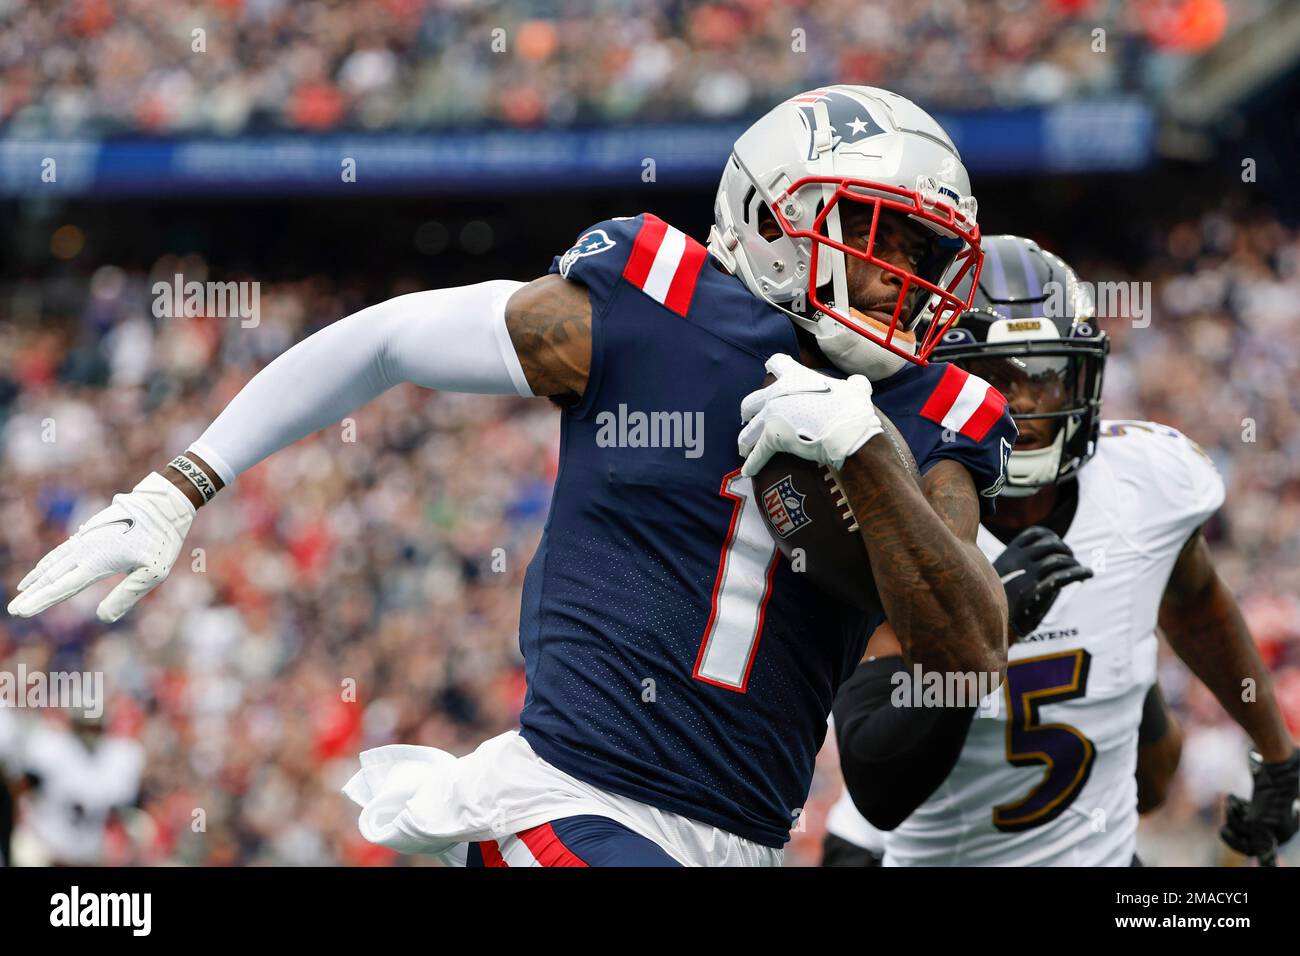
(197,476)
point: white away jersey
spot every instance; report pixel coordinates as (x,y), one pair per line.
(1046,776)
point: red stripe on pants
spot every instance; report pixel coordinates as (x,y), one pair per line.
(546,847)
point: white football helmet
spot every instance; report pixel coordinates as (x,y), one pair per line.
(801,161)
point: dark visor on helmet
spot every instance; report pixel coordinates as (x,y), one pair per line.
(1059,380)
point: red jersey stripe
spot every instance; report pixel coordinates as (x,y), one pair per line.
(688,272)
(986,416)
(648,240)
(944,395)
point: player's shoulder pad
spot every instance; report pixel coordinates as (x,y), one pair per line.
(644,251)
(1173,466)
(603,247)
(973,425)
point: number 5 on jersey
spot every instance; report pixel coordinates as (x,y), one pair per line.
(1065,752)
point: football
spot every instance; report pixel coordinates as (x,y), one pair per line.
(808,514)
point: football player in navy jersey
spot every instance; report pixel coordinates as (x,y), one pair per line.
(679,671)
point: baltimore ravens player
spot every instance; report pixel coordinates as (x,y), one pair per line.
(1048,778)
(851,841)
(679,673)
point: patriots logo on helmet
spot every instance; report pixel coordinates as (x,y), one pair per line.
(849,120)
(588,244)
(785,508)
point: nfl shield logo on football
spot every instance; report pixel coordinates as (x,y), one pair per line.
(785,507)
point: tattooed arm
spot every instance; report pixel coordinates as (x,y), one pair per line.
(443,338)
(496,338)
(499,337)
(1204,626)
(939,592)
(549,321)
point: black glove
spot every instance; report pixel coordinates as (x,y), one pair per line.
(1258,826)
(1034,568)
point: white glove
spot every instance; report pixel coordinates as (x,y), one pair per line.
(139,534)
(807,414)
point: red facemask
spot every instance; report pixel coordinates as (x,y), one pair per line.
(947,305)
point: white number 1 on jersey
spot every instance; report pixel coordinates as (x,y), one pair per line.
(740,592)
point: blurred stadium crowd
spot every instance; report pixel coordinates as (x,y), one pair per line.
(348,593)
(362,587)
(99,66)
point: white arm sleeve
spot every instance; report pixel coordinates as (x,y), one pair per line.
(450,339)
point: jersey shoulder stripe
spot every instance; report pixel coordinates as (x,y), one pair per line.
(964,403)
(665,264)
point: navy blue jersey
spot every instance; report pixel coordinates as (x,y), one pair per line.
(672,656)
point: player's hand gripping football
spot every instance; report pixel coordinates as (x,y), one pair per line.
(139,535)
(1256,827)
(1034,568)
(808,414)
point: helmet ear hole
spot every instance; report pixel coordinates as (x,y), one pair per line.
(768,227)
